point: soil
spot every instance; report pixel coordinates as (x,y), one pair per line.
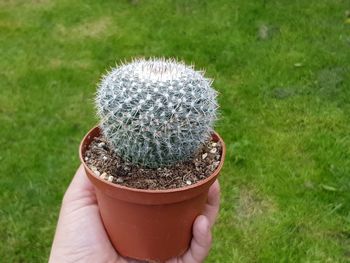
(106,164)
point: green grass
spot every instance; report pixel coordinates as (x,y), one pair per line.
(282,68)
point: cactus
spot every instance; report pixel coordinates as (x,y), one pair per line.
(156,112)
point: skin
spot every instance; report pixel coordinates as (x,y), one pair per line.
(81,237)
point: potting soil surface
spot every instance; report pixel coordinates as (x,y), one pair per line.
(106,164)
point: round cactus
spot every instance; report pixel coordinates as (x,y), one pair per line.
(156,112)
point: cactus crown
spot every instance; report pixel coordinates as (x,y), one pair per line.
(156,112)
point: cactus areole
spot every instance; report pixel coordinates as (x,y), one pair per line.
(156,112)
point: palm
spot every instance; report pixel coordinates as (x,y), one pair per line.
(81,237)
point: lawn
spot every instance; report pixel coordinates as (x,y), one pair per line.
(282,70)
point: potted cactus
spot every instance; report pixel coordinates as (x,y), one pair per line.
(149,156)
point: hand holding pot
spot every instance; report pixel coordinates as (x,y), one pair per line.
(81,237)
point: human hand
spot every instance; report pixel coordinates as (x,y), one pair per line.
(80,235)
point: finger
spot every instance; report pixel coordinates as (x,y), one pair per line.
(201,241)
(80,179)
(80,187)
(211,209)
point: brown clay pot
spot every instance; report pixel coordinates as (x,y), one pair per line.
(152,225)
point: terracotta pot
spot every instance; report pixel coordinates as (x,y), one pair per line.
(150,225)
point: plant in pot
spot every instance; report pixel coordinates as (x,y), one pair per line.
(153,156)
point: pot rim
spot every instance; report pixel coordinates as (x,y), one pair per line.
(161,191)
